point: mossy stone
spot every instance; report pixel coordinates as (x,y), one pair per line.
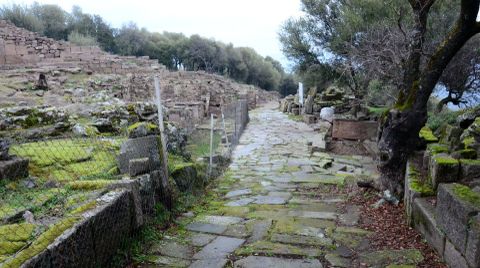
(466,194)
(16,232)
(427,135)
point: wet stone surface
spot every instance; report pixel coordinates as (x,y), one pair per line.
(278,208)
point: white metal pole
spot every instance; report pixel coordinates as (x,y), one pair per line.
(160,125)
(211,146)
(223,123)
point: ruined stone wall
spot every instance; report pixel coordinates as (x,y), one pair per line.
(20,47)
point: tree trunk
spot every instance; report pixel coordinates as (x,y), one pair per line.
(398,138)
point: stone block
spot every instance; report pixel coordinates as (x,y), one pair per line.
(112,224)
(144,147)
(443,168)
(472,253)
(469,169)
(148,186)
(42,260)
(309,119)
(453,214)
(139,166)
(423,214)
(14,168)
(453,257)
(75,247)
(354,130)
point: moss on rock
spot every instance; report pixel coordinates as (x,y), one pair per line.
(16,232)
(41,243)
(427,135)
(466,194)
(89,184)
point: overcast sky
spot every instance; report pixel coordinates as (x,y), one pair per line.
(253,23)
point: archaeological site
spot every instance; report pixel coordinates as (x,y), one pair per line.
(357,144)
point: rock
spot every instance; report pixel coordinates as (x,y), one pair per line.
(206,228)
(424,221)
(222,220)
(104,125)
(29,183)
(308,106)
(443,168)
(238,193)
(139,166)
(467,118)
(80,130)
(453,257)
(220,247)
(142,129)
(14,168)
(327,114)
(4,147)
(454,212)
(472,254)
(210,263)
(332,93)
(200,240)
(259,230)
(139,148)
(274,262)
(173,249)
(186,177)
(469,169)
(28,217)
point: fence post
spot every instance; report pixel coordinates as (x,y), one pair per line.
(223,123)
(211,147)
(162,131)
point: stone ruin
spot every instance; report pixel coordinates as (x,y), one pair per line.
(11,166)
(352,128)
(442,190)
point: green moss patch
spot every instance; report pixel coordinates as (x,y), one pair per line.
(466,194)
(419,186)
(447,161)
(84,207)
(89,184)
(9,247)
(40,243)
(437,148)
(427,135)
(16,232)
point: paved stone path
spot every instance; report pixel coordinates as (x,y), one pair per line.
(278,207)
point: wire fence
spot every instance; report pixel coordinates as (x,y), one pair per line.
(50,185)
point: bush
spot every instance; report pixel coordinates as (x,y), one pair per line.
(436,120)
(81,39)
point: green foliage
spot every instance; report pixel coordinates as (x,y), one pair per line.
(199,143)
(81,39)
(436,120)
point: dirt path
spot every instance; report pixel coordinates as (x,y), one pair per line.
(279,206)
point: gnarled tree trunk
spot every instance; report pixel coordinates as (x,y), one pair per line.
(398,135)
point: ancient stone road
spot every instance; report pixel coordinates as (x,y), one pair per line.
(278,207)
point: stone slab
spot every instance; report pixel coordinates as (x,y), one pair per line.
(453,215)
(424,221)
(259,230)
(15,168)
(222,220)
(220,247)
(209,263)
(354,130)
(238,193)
(240,202)
(313,214)
(200,240)
(270,200)
(206,228)
(302,240)
(453,257)
(273,262)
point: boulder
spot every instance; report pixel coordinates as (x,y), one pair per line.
(14,168)
(104,125)
(467,118)
(144,147)
(142,129)
(443,168)
(4,147)
(327,114)
(332,93)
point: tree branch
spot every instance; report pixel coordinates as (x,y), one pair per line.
(465,27)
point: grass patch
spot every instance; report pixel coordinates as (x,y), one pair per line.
(199,143)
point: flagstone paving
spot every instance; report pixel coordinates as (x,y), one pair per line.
(278,207)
